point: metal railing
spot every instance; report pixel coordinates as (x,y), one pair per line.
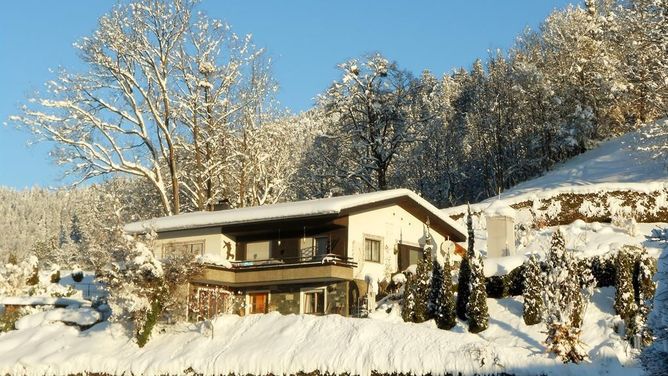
(303,259)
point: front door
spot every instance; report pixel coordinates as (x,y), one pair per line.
(258,302)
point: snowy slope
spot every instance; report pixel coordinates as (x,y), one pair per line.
(615,161)
(272,343)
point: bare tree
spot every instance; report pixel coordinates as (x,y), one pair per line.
(369,107)
(160,87)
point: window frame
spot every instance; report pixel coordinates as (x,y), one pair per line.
(310,290)
(174,245)
(270,249)
(377,239)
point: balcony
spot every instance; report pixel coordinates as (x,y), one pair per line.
(302,269)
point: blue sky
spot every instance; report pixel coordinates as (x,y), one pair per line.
(306,39)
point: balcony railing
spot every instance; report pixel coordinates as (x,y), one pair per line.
(304,259)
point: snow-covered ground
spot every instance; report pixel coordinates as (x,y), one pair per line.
(272,343)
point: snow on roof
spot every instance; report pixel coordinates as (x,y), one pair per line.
(499,208)
(288,210)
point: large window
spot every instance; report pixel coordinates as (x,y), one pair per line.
(313,302)
(372,250)
(195,248)
(258,250)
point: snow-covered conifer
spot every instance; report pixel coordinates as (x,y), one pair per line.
(533,291)
(476,309)
(463,283)
(423,282)
(443,301)
(625,304)
(561,298)
(408,301)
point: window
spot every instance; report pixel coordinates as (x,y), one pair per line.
(313,302)
(258,250)
(372,250)
(195,248)
(409,255)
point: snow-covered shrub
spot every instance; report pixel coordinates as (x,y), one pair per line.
(625,303)
(463,287)
(655,357)
(143,290)
(19,278)
(516,281)
(9,317)
(77,274)
(55,274)
(533,290)
(563,300)
(644,287)
(604,270)
(476,309)
(496,286)
(443,298)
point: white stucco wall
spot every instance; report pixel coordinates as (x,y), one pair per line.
(393,225)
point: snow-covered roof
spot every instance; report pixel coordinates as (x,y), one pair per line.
(499,208)
(288,210)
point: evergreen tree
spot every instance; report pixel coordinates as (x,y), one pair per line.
(476,309)
(533,290)
(638,332)
(443,301)
(463,283)
(561,285)
(423,282)
(408,301)
(76,236)
(625,304)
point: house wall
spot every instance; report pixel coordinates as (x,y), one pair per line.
(393,225)
(215,243)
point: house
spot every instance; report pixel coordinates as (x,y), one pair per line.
(318,256)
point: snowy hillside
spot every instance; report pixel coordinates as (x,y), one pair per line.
(619,161)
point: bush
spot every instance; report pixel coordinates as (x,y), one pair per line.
(604,270)
(515,281)
(77,276)
(152,317)
(496,286)
(55,277)
(9,317)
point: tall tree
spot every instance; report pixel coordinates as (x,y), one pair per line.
(134,109)
(369,109)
